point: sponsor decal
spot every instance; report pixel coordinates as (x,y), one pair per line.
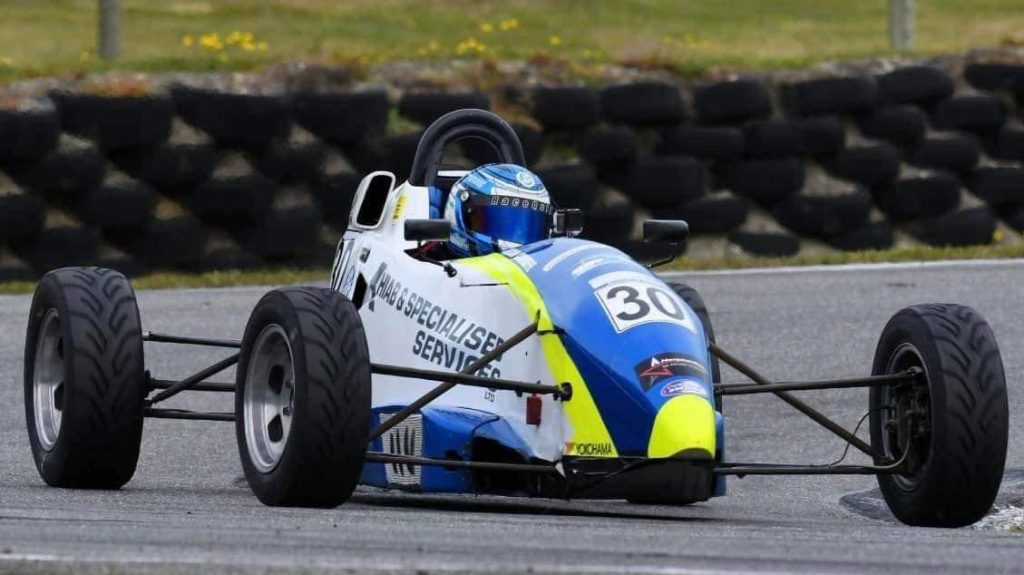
(524,203)
(683,387)
(399,206)
(447,339)
(592,262)
(406,438)
(663,366)
(568,254)
(588,449)
(526,179)
(525,261)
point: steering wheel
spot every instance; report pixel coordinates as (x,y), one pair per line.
(458,125)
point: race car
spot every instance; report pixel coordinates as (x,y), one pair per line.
(557,368)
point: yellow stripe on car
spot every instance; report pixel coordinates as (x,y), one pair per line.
(590,436)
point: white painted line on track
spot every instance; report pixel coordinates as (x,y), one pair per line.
(888,266)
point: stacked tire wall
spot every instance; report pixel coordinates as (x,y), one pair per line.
(194,179)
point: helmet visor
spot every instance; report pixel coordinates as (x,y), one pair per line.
(508,218)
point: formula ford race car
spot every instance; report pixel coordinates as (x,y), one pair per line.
(562,368)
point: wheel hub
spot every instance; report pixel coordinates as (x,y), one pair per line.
(48,381)
(269,400)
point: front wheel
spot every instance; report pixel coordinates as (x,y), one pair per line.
(84,378)
(302,405)
(950,428)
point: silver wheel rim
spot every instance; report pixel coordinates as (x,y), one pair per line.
(905,355)
(48,381)
(269,400)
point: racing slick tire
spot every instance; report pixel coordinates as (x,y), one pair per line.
(955,427)
(302,405)
(84,378)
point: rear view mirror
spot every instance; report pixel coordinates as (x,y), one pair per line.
(667,231)
(428,230)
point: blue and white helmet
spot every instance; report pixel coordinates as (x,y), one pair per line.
(497,207)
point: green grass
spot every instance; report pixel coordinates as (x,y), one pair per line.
(58,36)
(277,277)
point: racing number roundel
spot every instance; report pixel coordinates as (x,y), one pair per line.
(630,299)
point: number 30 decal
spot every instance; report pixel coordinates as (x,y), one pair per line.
(631,300)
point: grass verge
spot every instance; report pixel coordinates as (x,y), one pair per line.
(275,277)
(59,36)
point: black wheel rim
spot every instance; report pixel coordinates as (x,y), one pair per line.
(905,417)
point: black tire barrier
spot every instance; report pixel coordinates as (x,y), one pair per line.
(571,186)
(21,215)
(718,143)
(343,119)
(923,85)
(995,76)
(765,244)
(712,214)
(1014,217)
(643,104)
(565,108)
(609,144)
(1007,144)
(28,134)
(173,169)
(116,122)
(285,234)
(334,194)
(929,196)
(901,125)
(999,186)
(63,175)
(167,244)
(12,269)
(235,121)
(58,246)
(869,165)
(970,227)
(821,136)
(118,206)
(825,216)
(873,236)
(830,96)
(394,153)
(973,113)
(233,200)
(223,258)
(425,107)
(733,101)
(115,259)
(767,182)
(956,153)
(290,161)
(609,224)
(662,182)
(481,153)
(773,139)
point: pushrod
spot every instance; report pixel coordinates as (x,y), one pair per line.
(746,389)
(204,341)
(444,387)
(377,457)
(191,380)
(800,406)
(802,470)
(201,386)
(184,414)
(467,379)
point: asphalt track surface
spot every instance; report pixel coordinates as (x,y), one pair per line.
(187,509)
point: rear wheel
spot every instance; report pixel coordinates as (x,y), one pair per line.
(302,405)
(951,427)
(84,378)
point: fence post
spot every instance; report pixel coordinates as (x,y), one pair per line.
(110,29)
(901,24)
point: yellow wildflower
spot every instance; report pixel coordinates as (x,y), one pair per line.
(508,24)
(187,41)
(6,61)
(211,42)
(487,27)
(262,46)
(555,41)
